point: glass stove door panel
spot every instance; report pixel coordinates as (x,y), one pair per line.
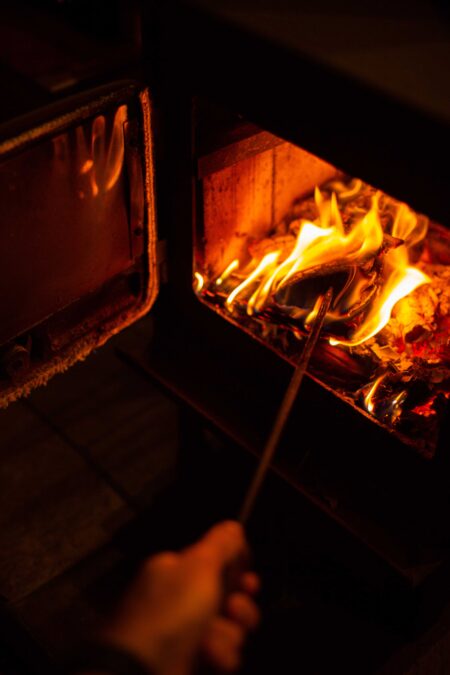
(77,226)
(64,224)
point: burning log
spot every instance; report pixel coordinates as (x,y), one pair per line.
(387,348)
(340,274)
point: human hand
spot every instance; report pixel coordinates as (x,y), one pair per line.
(180,611)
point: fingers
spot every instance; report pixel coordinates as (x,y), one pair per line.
(223,644)
(242,610)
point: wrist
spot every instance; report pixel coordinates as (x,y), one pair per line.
(156,651)
(144,648)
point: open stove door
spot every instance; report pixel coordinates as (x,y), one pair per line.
(77,231)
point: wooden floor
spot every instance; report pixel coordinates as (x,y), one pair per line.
(88,466)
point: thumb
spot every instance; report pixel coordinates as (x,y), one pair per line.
(224,544)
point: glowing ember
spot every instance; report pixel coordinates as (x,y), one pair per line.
(391,306)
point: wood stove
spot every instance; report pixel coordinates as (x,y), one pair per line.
(265,105)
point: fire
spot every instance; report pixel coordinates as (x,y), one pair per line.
(369,397)
(228,270)
(385,345)
(327,244)
(401,279)
(266,264)
(402,282)
(200,281)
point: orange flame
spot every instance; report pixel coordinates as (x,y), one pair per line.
(369,397)
(266,264)
(401,282)
(227,271)
(327,241)
(400,279)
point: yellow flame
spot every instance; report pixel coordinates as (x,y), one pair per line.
(408,226)
(401,279)
(314,312)
(318,244)
(265,263)
(400,284)
(227,271)
(368,399)
(327,241)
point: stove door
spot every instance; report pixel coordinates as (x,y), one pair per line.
(77,231)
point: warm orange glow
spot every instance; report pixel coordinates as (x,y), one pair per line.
(94,186)
(105,152)
(400,284)
(97,151)
(227,271)
(266,263)
(368,399)
(272,244)
(87,166)
(326,241)
(316,244)
(401,279)
(199,279)
(116,149)
(425,410)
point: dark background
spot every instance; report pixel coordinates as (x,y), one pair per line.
(101,467)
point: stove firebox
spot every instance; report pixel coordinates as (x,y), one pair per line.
(280,226)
